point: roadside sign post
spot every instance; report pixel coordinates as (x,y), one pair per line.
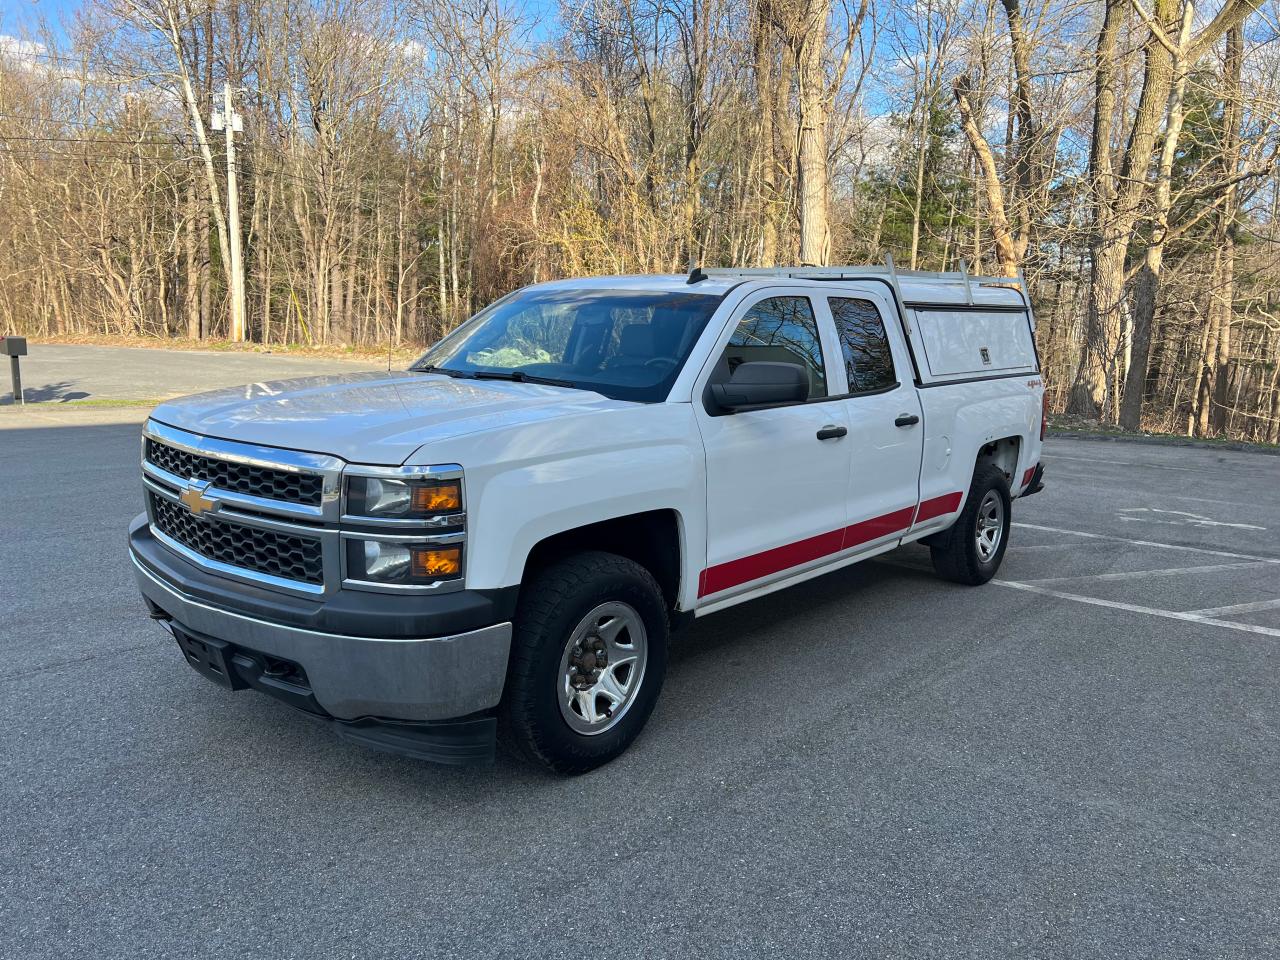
(13,348)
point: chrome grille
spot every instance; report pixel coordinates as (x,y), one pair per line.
(268,552)
(272,516)
(303,488)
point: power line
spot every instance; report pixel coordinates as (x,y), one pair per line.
(132,160)
(117,160)
(5,137)
(68,59)
(64,122)
(58,120)
(120,158)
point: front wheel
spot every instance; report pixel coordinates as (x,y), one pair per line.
(587,661)
(971,551)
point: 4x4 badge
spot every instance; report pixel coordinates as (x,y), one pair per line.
(194,499)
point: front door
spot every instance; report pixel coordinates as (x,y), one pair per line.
(775,488)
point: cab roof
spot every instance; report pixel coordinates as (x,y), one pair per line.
(641,282)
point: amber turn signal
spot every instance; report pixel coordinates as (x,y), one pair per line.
(437,497)
(437,561)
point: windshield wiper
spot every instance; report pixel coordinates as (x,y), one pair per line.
(519,376)
(515,376)
(428,368)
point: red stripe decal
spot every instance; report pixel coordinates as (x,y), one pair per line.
(725,575)
(734,572)
(939,506)
(877,527)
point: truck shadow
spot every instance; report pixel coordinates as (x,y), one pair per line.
(830,599)
(756,652)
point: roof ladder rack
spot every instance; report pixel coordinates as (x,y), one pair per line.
(899,300)
(1025,291)
(968,290)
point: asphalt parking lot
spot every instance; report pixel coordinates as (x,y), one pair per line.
(1078,761)
(61,373)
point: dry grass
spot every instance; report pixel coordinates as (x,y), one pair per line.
(1064,424)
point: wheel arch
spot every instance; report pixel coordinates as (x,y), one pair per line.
(652,538)
(1002,454)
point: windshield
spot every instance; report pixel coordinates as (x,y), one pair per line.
(624,344)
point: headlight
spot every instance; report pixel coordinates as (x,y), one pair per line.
(399,562)
(407,499)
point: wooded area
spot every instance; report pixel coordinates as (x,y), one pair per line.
(403,162)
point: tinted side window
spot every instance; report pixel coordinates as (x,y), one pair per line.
(867,356)
(780,329)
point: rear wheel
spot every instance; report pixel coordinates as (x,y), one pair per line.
(971,551)
(587,661)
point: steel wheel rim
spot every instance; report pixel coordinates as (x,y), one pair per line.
(602,668)
(990,528)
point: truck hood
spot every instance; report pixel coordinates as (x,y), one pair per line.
(379,418)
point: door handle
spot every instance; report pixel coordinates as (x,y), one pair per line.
(906,420)
(832,432)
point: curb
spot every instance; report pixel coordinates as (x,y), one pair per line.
(1238,446)
(35,416)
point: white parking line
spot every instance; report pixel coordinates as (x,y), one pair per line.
(1207,616)
(1149,543)
(1163,572)
(1060,545)
(1138,608)
(1202,616)
(1225,503)
(1180,518)
(1258,606)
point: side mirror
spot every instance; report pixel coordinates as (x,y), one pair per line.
(759,383)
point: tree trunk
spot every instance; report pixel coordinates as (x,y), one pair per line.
(191,259)
(1224,287)
(1121,205)
(766,98)
(1006,249)
(1198,422)
(1091,392)
(1148,285)
(1116,215)
(1223,290)
(812,186)
(917,201)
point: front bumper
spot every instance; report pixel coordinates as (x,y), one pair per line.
(462,741)
(391,681)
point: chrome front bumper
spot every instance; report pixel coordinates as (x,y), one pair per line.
(423,679)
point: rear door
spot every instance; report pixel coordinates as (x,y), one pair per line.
(886,432)
(775,490)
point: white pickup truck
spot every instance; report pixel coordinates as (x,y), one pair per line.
(504,536)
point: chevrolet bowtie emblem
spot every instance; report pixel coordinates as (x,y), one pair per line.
(195,500)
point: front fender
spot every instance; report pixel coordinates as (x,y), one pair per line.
(525,485)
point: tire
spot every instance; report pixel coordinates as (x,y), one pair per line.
(584,596)
(957,553)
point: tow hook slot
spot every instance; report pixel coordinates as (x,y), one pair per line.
(156,613)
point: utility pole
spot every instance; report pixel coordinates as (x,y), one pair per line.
(228,120)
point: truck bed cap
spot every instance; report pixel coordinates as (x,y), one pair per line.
(941,289)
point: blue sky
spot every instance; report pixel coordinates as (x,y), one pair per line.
(15,15)
(32,9)
(18,17)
